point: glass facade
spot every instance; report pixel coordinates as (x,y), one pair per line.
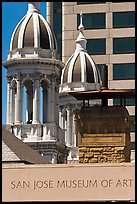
(123,19)
(96,46)
(93,20)
(124,71)
(123,45)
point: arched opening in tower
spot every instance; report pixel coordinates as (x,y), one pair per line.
(28,102)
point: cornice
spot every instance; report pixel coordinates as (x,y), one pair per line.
(40,61)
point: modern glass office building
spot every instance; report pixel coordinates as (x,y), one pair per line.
(109,28)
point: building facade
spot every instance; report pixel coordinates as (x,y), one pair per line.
(109,28)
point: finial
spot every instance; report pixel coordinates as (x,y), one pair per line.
(81,27)
(33,7)
(81,41)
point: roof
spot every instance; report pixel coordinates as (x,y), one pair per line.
(14,149)
(31,33)
(100,94)
(81,68)
(8,154)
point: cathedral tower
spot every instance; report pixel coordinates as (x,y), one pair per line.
(80,73)
(32,81)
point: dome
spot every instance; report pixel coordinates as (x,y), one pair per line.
(80,71)
(80,68)
(33,34)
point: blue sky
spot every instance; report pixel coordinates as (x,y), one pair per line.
(12,13)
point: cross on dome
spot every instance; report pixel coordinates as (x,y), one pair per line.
(81,41)
(81,27)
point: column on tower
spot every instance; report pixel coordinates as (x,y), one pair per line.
(57,106)
(18,102)
(75,128)
(65,126)
(69,126)
(52,102)
(44,93)
(48,104)
(36,102)
(12,105)
(63,122)
(8,102)
(60,118)
(21,105)
(63,118)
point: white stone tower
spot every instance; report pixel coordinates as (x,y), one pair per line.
(33,79)
(79,74)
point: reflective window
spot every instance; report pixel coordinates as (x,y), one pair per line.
(128,101)
(123,45)
(132,118)
(93,20)
(132,145)
(124,71)
(96,46)
(123,19)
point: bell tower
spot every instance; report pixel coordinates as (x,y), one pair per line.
(80,73)
(32,79)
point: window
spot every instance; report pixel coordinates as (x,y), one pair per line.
(123,45)
(93,21)
(132,145)
(123,19)
(96,46)
(128,101)
(124,71)
(132,118)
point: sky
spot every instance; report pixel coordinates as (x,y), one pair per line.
(12,13)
